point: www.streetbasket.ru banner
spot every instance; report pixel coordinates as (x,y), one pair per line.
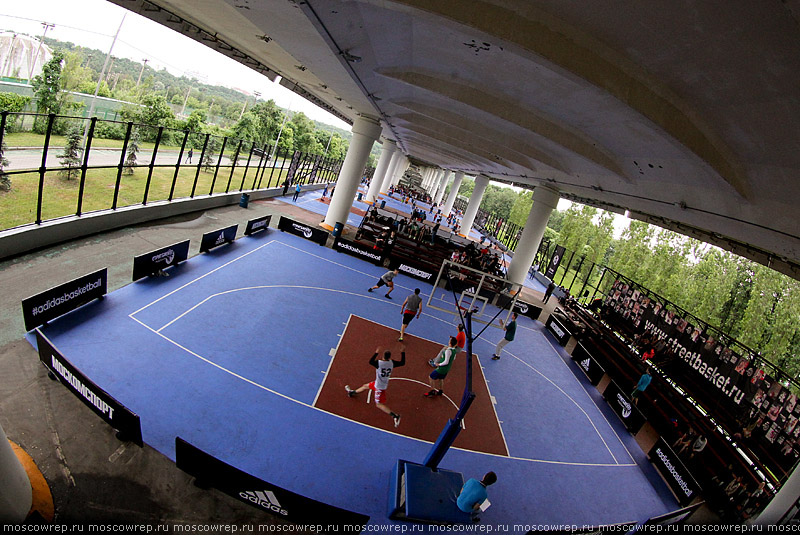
(46,306)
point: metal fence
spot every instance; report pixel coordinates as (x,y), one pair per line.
(501,229)
(117,164)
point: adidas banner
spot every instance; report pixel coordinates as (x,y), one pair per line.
(588,364)
(46,306)
(301,229)
(674,472)
(215,238)
(257,225)
(359,251)
(150,263)
(210,471)
(105,406)
(557,328)
(625,409)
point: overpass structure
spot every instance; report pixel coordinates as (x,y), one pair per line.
(680,114)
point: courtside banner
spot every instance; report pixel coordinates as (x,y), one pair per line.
(412,269)
(557,328)
(588,364)
(105,406)
(527,309)
(258,224)
(674,472)
(301,229)
(359,251)
(210,471)
(625,409)
(150,263)
(215,238)
(41,308)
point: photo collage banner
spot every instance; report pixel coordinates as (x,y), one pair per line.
(735,389)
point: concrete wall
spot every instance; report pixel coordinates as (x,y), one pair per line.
(14,242)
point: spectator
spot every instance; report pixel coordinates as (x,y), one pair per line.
(474,493)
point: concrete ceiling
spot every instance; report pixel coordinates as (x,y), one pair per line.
(685,113)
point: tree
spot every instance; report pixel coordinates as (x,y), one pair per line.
(248,128)
(71,157)
(271,118)
(133,151)
(47,91)
(209,160)
(5,180)
(76,77)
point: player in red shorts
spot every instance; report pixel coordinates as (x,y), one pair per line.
(383,371)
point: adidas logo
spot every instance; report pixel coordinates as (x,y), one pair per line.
(265,499)
(585,364)
(220,239)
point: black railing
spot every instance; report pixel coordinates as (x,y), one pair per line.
(492,225)
(152,166)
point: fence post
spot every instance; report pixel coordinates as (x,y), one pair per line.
(219,161)
(199,164)
(259,170)
(43,168)
(247,165)
(121,165)
(178,165)
(152,164)
(88,148)
(233,164)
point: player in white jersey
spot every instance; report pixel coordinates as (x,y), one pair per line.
(383,372)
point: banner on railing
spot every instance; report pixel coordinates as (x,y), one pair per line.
(359,251)
(97,399)
(624,407)
(413,269)
(301,229)
(209,470)
(48,305)
(588,364)
(674,472)
(154,261)
(258,224)
(558,329)
(215,238)
(555,260)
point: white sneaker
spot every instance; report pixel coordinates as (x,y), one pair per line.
(396,420)
(350,391)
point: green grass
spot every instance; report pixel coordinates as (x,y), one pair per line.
(60,195)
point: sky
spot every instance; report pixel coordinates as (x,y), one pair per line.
(92,23)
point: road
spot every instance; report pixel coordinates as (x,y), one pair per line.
(31,158)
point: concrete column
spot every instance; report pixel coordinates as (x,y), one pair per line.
(387,180)
(451,198)
(402,165)
(545,201)
(481,182)
(387,151)
(442,187)
(437,176)
(365,133)
(426,175)
(16,496)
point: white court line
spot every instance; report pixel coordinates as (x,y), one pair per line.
(202,276)
(603,440)
(614,432)
(330,362)
(494,408)
(284,396)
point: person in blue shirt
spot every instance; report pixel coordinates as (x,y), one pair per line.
(296,192)
(474,493)
(641,386)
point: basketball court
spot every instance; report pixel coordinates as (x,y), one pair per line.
(244,352)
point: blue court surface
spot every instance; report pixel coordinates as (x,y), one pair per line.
(231,351)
